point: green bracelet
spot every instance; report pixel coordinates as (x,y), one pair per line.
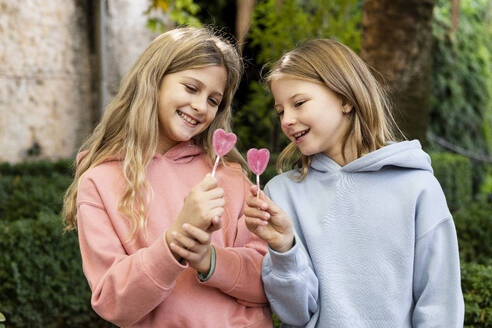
(204,277)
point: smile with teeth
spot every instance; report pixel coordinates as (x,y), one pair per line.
(300,134)
(187,118)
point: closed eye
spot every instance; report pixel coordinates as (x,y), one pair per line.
(190,88)
(213,102)
(299,103)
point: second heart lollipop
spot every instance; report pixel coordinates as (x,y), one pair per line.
(258,161)
(223,143)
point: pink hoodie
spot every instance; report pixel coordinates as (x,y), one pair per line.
(140,284)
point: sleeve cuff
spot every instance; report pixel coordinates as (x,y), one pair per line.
(290,262)
(160,264)
(227,268)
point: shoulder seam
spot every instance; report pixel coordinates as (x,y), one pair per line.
(84,202)
(434,227)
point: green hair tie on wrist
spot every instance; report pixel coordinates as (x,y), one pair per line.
(204,277)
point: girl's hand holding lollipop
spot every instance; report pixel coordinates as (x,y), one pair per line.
(263,217)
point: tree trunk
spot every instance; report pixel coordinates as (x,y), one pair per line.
(455,14)
(396,40)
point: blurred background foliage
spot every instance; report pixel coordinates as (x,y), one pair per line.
(42,284)
(461,106)
(276,29)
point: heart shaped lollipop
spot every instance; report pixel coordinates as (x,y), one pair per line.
(258,161)
(223,143)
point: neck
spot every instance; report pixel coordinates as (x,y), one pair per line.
(164,145)
(350,153)
(162,148)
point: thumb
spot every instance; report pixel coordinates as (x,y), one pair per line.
(208,182)
(272,207)
(253,189)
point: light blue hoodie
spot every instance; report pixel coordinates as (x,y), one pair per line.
(381,242)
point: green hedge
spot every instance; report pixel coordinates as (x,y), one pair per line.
(42,283)
(476,282)
(474,229)
(454,173)
(27,189)
(62,166)
(41,278)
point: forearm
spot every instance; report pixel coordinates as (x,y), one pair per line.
(291,285)
(134,285)
(437,286)
(238,274)
(124,287)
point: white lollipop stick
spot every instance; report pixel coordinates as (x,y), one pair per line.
(258,186)
(215,165)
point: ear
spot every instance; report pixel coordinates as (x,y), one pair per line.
(347,108)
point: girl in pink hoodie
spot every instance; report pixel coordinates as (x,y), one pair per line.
(145,207)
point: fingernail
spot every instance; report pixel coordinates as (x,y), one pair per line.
(266,215)
(185,226)
(174,233)
(172,245)
(264,206)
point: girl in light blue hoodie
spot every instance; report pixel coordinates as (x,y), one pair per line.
(359,231)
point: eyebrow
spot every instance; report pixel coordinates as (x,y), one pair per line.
(201,84)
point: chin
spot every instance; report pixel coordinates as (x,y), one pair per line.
(183,136)
(307,152)
(310,154)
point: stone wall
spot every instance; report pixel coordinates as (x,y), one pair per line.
(49,75)
(45,100)
(126,38)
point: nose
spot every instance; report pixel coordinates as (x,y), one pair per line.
(288,119)
(199,103)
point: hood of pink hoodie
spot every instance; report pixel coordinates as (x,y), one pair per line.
(181,153)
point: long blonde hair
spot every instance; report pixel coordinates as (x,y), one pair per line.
(344,73)
(129,125)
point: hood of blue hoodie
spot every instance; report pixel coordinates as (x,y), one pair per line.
(405,154)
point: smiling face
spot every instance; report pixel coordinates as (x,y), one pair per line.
(311,115)
(188,102)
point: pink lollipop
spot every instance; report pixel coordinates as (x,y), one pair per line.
(258,161)
(223,143)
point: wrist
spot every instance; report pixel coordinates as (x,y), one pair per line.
(204,276)
(207,262)
(176,226)
(285,246)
